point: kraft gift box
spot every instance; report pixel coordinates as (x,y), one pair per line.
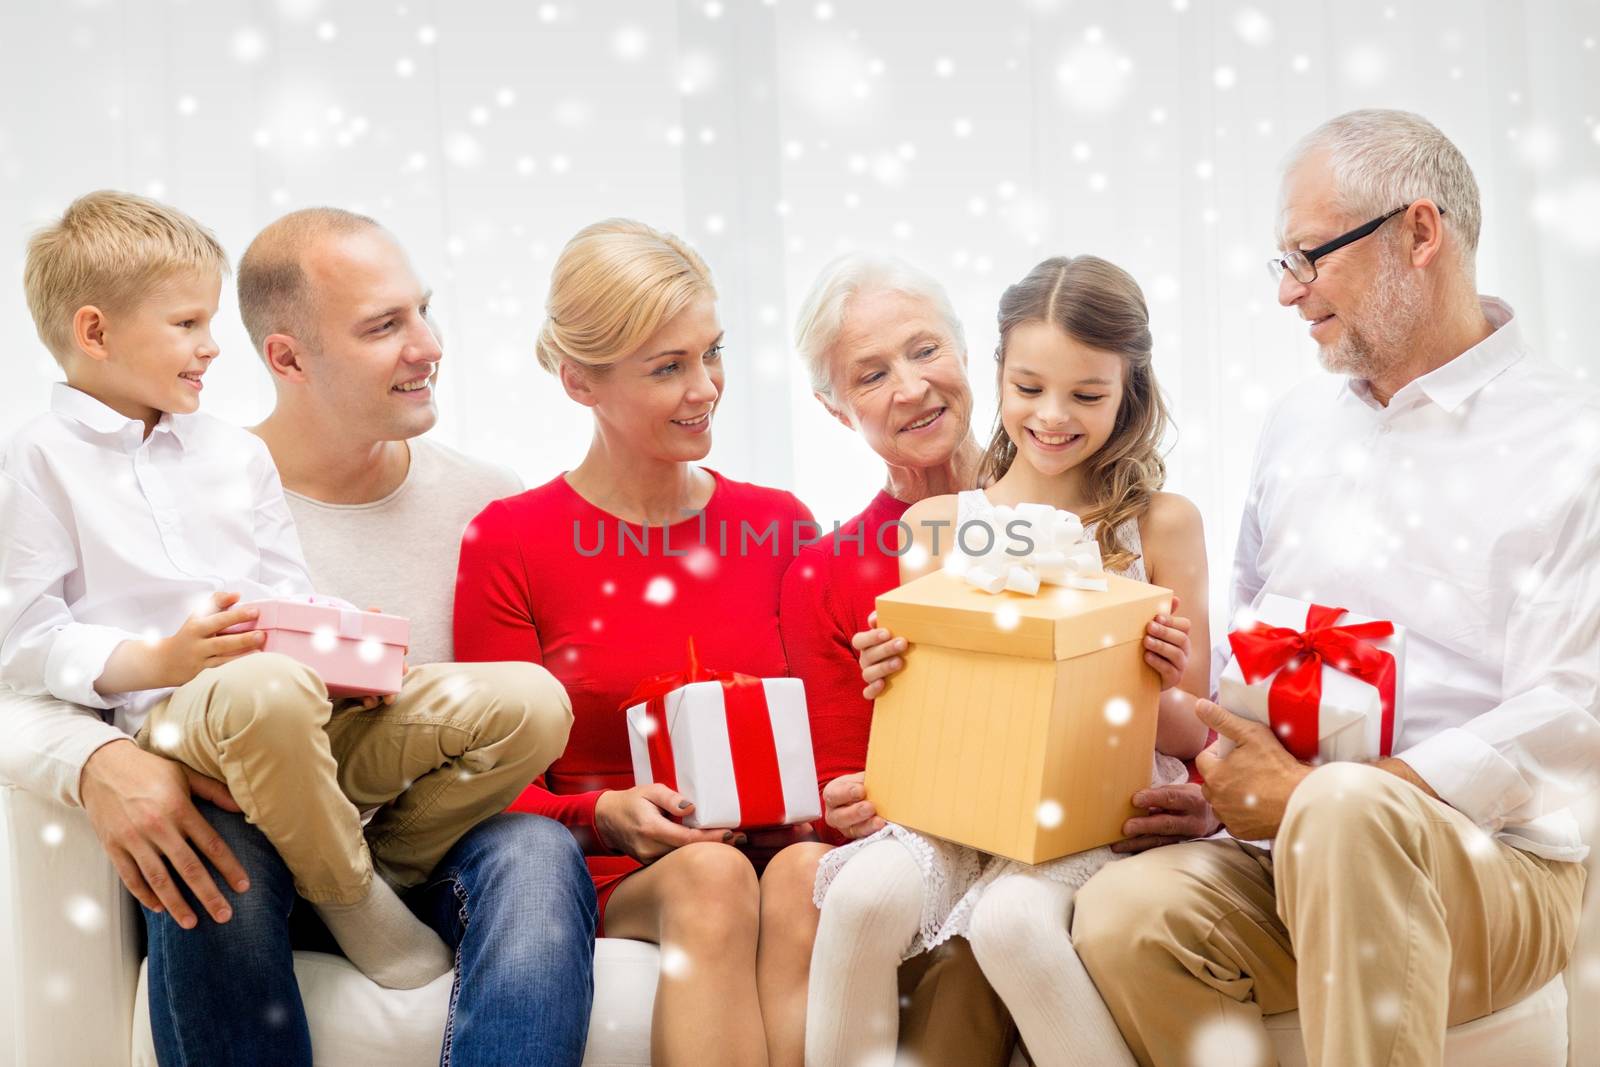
(1021,725)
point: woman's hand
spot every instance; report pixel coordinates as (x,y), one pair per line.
(634,821)
(1166,647)
(880,655)
(846,807)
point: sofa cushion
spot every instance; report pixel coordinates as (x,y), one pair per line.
(1530,1033)
(357,1023)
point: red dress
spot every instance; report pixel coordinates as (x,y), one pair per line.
(827,596)
(537,583)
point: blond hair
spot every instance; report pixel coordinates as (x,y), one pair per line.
(1098,304)
(616,283)
(275,296)
(109,250)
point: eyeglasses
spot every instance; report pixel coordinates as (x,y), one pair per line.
(1303,264)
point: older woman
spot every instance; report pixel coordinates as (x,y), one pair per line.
(887,358)
(597,575)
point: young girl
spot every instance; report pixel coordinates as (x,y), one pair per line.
(1080,428)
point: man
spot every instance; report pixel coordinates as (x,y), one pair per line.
(1443,484)
(336,311)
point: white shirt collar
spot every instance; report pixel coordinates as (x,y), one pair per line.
(79,406)
(1459,380)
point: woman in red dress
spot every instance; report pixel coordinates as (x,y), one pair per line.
(603,575)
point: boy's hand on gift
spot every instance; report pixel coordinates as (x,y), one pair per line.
(880,655)
(1175,813)
(634,821)
(1249,785)
(1166,646)
(139,805)
(846,807)
(200,642)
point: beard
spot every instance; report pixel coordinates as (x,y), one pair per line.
(1390,319)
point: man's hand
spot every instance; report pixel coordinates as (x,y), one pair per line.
(1175,813)
(846,807)
(632,821)
(1249,786)
(139,804)
(387,700)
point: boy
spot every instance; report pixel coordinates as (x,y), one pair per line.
(130,529)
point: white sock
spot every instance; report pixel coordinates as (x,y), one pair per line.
(1020,934)
(871,913)
(380,936)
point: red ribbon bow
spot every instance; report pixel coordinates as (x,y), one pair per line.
(755,752)
(1298,657)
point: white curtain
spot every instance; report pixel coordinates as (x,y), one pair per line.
(971,139)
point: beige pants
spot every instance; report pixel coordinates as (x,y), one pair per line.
(1382,914)
(949,1016)
(458,745)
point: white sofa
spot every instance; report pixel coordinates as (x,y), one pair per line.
(72,983)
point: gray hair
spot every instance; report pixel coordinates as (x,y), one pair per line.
(1381,159)
(822,312)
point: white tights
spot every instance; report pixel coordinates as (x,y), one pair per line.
(1019,933)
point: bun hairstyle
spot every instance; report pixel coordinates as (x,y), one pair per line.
(1097,304)
(616,283)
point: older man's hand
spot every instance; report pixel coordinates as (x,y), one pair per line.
(1249,786)
(1174,813)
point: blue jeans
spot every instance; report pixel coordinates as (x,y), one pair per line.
(513,898)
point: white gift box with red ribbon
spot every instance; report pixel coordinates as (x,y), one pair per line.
(738,747)
(1329,682)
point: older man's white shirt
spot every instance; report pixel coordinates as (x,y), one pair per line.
(1468,511)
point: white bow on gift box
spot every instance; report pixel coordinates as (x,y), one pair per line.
(1059,553)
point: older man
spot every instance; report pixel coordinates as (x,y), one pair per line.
(1442,483)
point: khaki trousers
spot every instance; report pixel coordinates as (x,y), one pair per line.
(949,1015)
(459,743)
(1383,915)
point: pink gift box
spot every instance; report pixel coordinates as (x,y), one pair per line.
(355,653)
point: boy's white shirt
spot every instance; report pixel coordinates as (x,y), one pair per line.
(108,536)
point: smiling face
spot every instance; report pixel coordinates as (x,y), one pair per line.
(158,350)
(373,359)
(1058,397)
(1365,302)
(899,379)
(657,402)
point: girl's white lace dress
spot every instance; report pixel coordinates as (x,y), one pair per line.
(954,877)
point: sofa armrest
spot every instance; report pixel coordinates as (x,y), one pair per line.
(1583,976)
(70,939)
